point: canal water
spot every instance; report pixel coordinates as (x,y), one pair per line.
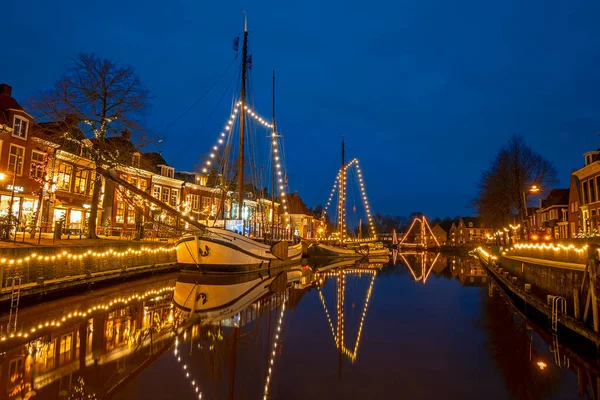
(421,326)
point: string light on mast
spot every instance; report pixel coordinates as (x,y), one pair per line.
(363,192)
(228,128)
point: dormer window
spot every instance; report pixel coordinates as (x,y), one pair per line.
(588,159)
(470,224)
(20,127)
(167,171)
(136,160)
(201,180)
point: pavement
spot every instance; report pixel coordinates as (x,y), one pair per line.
(47,240)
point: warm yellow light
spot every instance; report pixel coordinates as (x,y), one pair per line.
(542,365)
(534,189)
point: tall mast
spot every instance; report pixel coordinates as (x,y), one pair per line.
(242,120)
(342,195)
(273,162)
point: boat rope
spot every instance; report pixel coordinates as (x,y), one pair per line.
(195,103)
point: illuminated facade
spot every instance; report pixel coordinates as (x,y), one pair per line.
(584,197)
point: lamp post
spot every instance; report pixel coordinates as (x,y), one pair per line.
(533,189)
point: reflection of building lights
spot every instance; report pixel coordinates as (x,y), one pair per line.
(542,365)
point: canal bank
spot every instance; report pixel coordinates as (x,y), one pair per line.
(27,270)
(127,342)
(555,282)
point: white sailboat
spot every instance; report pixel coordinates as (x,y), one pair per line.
(346,249)
(220,250)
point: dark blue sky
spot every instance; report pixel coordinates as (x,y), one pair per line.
(425,92)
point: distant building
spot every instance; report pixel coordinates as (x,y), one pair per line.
(302,221)
(440,234)
(551,218)
(472,230)
(453,235)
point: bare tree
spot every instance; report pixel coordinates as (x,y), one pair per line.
(106,98)
(502,186)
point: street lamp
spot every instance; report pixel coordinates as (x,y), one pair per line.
(533,189)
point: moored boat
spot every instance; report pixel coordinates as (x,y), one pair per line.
(217,249)
(220,250)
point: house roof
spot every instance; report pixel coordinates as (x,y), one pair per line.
(7,102)
(54,131)
(446,225)
(296,205)
(477,222)
(556,197)
(154,159)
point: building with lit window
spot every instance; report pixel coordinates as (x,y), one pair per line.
(584,196)
(551,218)
(302,220)
(70,175)
(21,160)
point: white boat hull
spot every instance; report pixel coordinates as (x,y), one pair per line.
(219,250)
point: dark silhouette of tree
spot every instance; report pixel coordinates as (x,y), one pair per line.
(514,169)
(106,99)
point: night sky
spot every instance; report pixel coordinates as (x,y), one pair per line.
(425,92)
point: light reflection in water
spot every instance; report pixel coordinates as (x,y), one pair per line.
(227,335)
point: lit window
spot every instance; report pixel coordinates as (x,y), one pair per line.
(36,170)
(15,370)
(174,197)
(66,343)
(156,192)
(120,217)
(15,159)
(130,215)
(206,203)
(63,181)
(165,195)
(20,127)
(194,201)
(81,179)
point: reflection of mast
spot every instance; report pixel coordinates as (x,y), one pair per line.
(236,332)
(340,317)
(338,334)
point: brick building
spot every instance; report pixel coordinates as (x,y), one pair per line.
(584,196)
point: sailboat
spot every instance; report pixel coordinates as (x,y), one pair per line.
(345,250)
(220,250)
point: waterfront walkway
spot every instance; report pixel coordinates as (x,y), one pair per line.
(74,241)
(548,263)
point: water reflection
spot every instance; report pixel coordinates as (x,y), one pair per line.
(335,324)
(86,350)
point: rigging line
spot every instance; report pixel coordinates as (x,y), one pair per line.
(183,114)
(233,78)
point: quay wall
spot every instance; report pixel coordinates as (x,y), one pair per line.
(544,279)
(44,265)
